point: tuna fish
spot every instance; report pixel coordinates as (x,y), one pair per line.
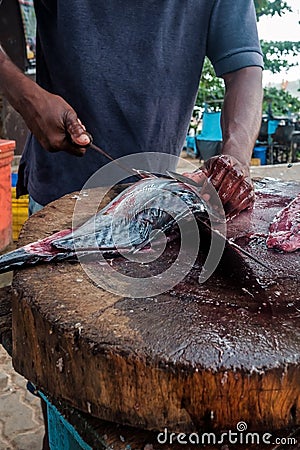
(127,223)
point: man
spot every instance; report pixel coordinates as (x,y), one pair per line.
(131,72)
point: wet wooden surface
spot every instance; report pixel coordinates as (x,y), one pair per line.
(6,318)
(197,357)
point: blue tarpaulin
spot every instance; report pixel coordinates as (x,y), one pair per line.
(211,127)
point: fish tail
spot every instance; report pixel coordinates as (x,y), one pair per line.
(16,259)
(20,258)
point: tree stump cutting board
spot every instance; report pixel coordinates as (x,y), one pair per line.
(197,357)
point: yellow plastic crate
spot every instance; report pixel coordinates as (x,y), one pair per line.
(19,212)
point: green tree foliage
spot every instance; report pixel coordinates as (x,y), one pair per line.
(282,102)
(270,8)
(211,88)
(277,55)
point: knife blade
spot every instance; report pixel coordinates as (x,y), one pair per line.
(115,161)
(183,179)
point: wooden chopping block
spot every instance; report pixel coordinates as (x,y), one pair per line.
(198,357)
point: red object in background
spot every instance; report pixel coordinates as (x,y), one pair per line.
(7,149)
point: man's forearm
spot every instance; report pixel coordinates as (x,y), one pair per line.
(241,114)
(14,85)
(53,122)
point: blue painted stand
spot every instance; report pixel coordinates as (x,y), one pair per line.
(190,144)
(62,435)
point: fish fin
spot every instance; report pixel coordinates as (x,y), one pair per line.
(144,173)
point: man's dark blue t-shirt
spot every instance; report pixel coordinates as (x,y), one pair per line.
(131,71)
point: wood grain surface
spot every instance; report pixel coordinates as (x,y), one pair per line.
(196,357)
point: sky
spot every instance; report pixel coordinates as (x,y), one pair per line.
(284,28)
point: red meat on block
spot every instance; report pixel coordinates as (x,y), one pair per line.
(284,231)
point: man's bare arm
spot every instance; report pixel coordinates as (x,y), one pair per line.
(241,114)
(229,173)
(52,120)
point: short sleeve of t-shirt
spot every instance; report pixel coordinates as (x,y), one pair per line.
(232,38)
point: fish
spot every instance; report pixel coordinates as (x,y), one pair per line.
(126,225)
(284,230)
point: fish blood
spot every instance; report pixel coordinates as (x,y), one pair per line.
(284,231)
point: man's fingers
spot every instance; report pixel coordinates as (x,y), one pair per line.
(230,185)
(217,169)
(199,176)
(67,147)
(76,129)
(242,200)
(234,188)
(74,150)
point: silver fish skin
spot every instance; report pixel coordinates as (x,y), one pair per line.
(126,224)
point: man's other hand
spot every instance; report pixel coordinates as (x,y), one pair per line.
(230,179)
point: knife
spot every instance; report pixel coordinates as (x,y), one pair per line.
(116,161)
(103,153)
(183,179)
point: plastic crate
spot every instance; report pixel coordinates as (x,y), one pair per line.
(6,156)
(19,209)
